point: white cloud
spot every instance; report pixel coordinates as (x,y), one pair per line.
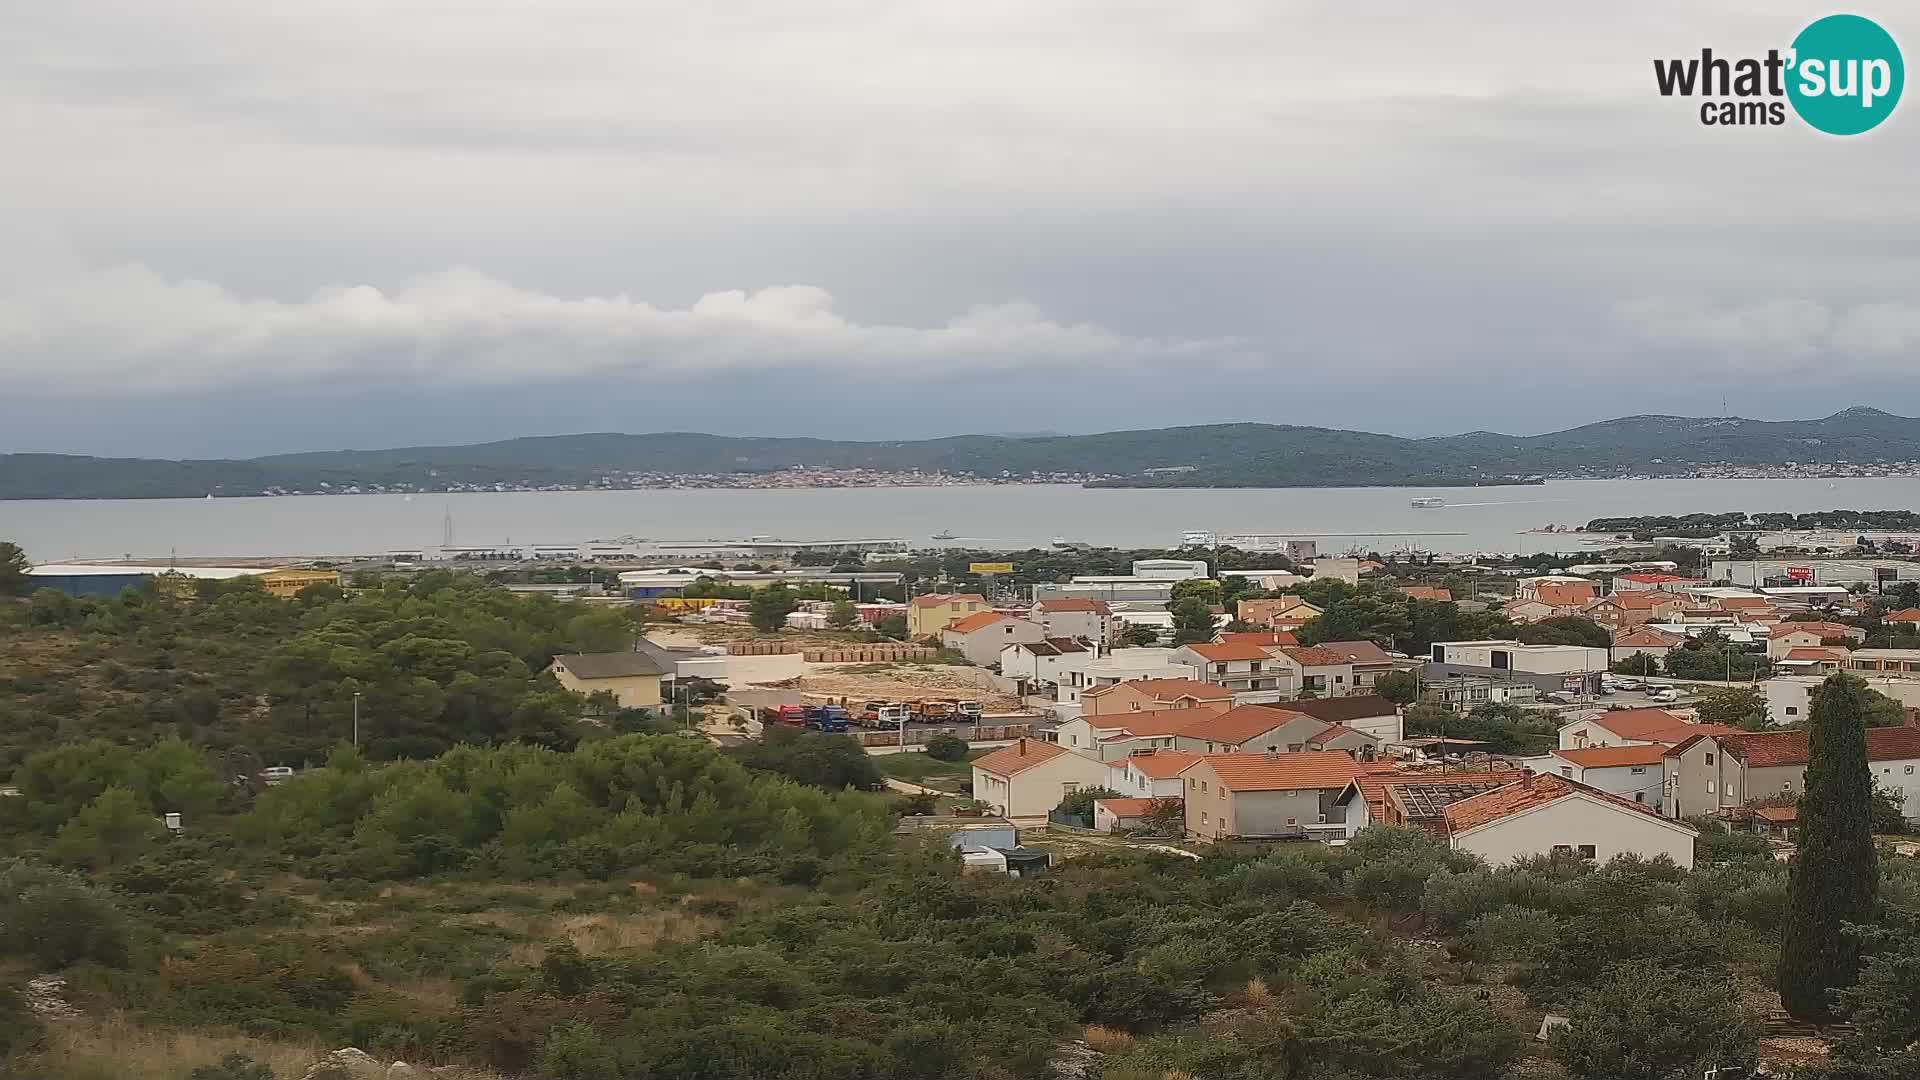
(1795,328)
(132,328)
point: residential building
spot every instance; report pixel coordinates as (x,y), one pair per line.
(1794,635)
(1644,639)
(287,582)
(1115,589)
(633,678)
(1546,813)
(1367,660)
(1266,639)
(1634,727)
(1124,815)
(1076,617)
(1703,776)
(980,637)
(1368,713)
(1266,580)
(928,615)
(1129,665)
(1316,670)
(1249,729)
(1145,695)
(1427,592)
(1790,696)
(1636,772)
(1530,611)
(1029,778)
(1054,662)
(1560,593)
(1277,612)
(1149,774)
(1347,570)
(1441,686)
(1242,669)
(1654,582)
(1267,796)
(1811,660)
(1115,736)
(1908,617)
(1625,610)
(1386,795)
(1776,763)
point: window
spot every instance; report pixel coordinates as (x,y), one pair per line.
(1562,849)
(1586,851)
(1639,796)
(1323,819)
(1293,821)
(1566,771)
(1709,758)
(1068,789)
(1793,710)
(1729,787)
(1711,788)
(1223,794)
(1203,785)
(1219,669)
(1203,817)
(1636,770)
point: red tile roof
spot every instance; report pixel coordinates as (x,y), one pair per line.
(1641,600)
(1911,615)
(1565,593)
(1018,758)
(1607,757)
(1126,808)
(1319,769)
(1779,815)
(1340,710)
(1819,629)
(979,620)
(1644,635)
(1159,764)
(1375,781)
(1328,734)
(1167,689)
(1767,749)
(1236,726)
(1656,579)
(1223,653)
(1637,723)
(1815,652)
(1151,723)
(1741,603)
(1426,592)
(1073,603)
(1314,656)
(1357,652)
(1533,792)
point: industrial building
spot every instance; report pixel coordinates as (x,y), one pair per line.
(107,579)
(673,580)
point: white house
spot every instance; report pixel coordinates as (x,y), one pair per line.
(1029,778)
(1369,713)
(1635,772)
(1629,727)
(1149,774)
(1507,655)
(980,637)
(1128,665)
(1245,669)
(1546,813)
(1076,617)
(1053,662)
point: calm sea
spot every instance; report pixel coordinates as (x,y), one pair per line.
(1474,519)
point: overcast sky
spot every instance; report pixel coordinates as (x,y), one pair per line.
(243,227)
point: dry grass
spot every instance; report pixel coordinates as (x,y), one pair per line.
(1105,1039)
(1258,993)
(114,1048)
(594,935)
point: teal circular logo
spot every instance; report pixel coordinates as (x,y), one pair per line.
(1847,75)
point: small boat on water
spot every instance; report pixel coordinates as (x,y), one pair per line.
(1063,543)
(945,534)
(1428,503)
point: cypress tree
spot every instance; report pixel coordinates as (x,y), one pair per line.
(1835,879)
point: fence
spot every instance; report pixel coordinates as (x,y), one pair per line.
(868,654)
(918,735)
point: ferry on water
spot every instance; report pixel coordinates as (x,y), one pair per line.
(1428,503)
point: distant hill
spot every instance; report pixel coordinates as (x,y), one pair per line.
(1214,455)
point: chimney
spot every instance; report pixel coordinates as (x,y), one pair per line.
(1022,744)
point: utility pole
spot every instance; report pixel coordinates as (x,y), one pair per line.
(356,719)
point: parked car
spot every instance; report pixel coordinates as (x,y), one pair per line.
(1665,695)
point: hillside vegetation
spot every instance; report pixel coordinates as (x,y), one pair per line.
(1219,455)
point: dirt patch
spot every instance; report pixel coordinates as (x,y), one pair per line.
(901,682)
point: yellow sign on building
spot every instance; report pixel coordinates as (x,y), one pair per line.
(990,568)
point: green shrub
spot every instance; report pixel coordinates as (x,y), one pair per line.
(58,918)
(948,747)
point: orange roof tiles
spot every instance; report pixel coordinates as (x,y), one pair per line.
(1151,723)
(1314,656)
(1281,772)
(979,620)
(1778,815)
(1767,749)
(1238,725)
(1608,757)
(1741,603)
(1375,780)
(1815,652)
(1644,635)
(1426,592)
(1018,758)
(1357,652)
(1911,615)
(1533,792)
(1259,637)
(1073,603)
(1641,600)
(941,599)
(1637,723)
(1565,593)
(1167,689)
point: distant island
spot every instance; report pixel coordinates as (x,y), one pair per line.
(1854,442)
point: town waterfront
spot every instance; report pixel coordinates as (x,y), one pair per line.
(984,516)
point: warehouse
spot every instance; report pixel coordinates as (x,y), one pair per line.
(90,579)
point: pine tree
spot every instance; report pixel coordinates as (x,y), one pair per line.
(1835,877)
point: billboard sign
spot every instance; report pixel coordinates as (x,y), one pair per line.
(1800,574)
(990,568)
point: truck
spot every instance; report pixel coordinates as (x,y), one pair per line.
(827,718)
(893,715)
(936,712)
(968,712)
(784,716)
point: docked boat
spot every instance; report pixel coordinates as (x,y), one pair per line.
(945,534)
(1200,538)
(1428,503)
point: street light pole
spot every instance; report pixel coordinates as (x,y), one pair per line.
(356,719)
